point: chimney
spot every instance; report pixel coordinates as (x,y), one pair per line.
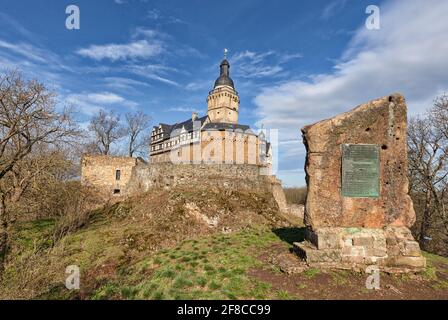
(194,116)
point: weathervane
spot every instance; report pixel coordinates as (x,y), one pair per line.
(225,53)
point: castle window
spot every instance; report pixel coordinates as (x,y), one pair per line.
(117,175)
(116,191)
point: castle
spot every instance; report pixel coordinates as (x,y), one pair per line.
(216,144)
(214,138)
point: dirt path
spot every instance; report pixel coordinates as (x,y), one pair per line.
(342,284)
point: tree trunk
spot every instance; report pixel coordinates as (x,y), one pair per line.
(424,227)
(3,234)
(130,153)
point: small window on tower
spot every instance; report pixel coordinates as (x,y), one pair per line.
(117,174)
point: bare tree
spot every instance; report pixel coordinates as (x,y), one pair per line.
(27,118)
(107,130)
(428,167)
(439,114)
(137,125)
(27,187)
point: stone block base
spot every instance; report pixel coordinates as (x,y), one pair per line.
(392,249)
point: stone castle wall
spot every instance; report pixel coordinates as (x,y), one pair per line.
(137,177)
(100,171)
(241,177)
(161,175)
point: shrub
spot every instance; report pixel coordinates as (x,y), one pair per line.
(76,205)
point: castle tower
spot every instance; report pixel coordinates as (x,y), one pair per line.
(223,101)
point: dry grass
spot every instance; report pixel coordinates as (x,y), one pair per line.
(110,239)
(295,195)
(75,207)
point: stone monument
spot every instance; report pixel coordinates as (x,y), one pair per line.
(358,211)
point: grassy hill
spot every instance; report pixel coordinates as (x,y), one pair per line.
(184,244)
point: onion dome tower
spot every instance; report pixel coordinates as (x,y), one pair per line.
(223,101)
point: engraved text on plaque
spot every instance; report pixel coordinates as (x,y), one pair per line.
(360,171)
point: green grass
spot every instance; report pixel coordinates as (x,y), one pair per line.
(311,272)
(208,267)
(339,277)
(302,286)
(34,234)
(434,264)
(215,267)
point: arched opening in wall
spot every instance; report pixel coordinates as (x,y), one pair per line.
(117,175)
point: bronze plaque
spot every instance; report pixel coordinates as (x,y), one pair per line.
(360,171)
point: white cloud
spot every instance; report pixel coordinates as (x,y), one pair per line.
(91,103)
(197,85)
(183,109)
(104,98)
(153,14)
(249,64)
(140,49)
(7,22)
(407,55)
(333,8)
(23,49)
(124,83)
(10,51)
(154,71)
(146,33)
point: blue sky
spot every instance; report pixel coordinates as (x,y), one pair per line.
(293,62)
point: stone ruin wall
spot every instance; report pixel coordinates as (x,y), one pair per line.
(228,176)
(136,177)
(164,175)
(99,171)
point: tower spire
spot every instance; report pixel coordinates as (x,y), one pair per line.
(224,73)
(223,101)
